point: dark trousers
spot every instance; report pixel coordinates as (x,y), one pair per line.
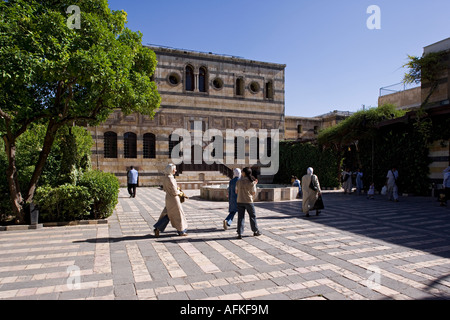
(132,189)
(250,207)
(230,218)
(162,223)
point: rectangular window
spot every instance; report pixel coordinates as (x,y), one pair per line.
(240,87)
(269,90)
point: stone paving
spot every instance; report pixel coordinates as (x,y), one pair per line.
(357,249)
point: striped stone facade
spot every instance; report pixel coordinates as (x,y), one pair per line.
(197,89)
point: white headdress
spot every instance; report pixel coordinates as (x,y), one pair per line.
(169,169)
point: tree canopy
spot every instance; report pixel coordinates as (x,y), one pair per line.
(53,74)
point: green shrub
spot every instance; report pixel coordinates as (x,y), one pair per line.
(296,158)
(104,190)
(64,203)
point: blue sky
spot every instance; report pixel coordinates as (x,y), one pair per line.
(334,62)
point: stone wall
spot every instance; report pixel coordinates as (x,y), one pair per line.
(404,99)
(209,93)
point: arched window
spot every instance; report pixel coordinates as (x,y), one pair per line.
(202,79)
(149,146)
(130,145)
(110,145)
(240,87)
(189,78)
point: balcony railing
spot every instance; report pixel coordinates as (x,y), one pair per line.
(398,87)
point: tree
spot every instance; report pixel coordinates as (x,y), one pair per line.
(53,74)
(362,125)
(428,69)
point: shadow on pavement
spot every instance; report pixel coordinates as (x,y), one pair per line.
(415,222)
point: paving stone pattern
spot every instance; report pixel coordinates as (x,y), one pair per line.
(357,249)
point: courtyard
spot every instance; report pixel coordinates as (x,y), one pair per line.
(356,249)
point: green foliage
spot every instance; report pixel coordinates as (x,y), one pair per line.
(69,158)
(360,125)
(64,203)
(404,144)
(295,158)
(54,75)
(51,71)
(401,146)
(427,68)
(70,155)
(104,190)
(95,197)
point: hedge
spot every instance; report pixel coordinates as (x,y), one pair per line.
(296,158)
(94,197)
(104,190)
(64,203)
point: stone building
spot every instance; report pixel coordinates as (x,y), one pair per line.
(199,92)
(439,106)
(305,129)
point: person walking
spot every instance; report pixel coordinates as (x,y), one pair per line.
(246,191)
(173,210)
(311,191)
(391,184)
(232,199)
(133,176)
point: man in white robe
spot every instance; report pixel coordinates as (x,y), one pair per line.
(309,195)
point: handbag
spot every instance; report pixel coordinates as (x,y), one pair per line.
(312,186)
(384,191)
(319,204)
(182,196)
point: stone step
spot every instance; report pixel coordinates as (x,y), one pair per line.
(196,185)
(193,176)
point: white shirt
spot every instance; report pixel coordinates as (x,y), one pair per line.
(133,176)
(392,177)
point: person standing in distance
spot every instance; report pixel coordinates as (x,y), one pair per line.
(133,176)
(391,183)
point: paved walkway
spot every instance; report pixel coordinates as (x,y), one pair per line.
(356,249)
